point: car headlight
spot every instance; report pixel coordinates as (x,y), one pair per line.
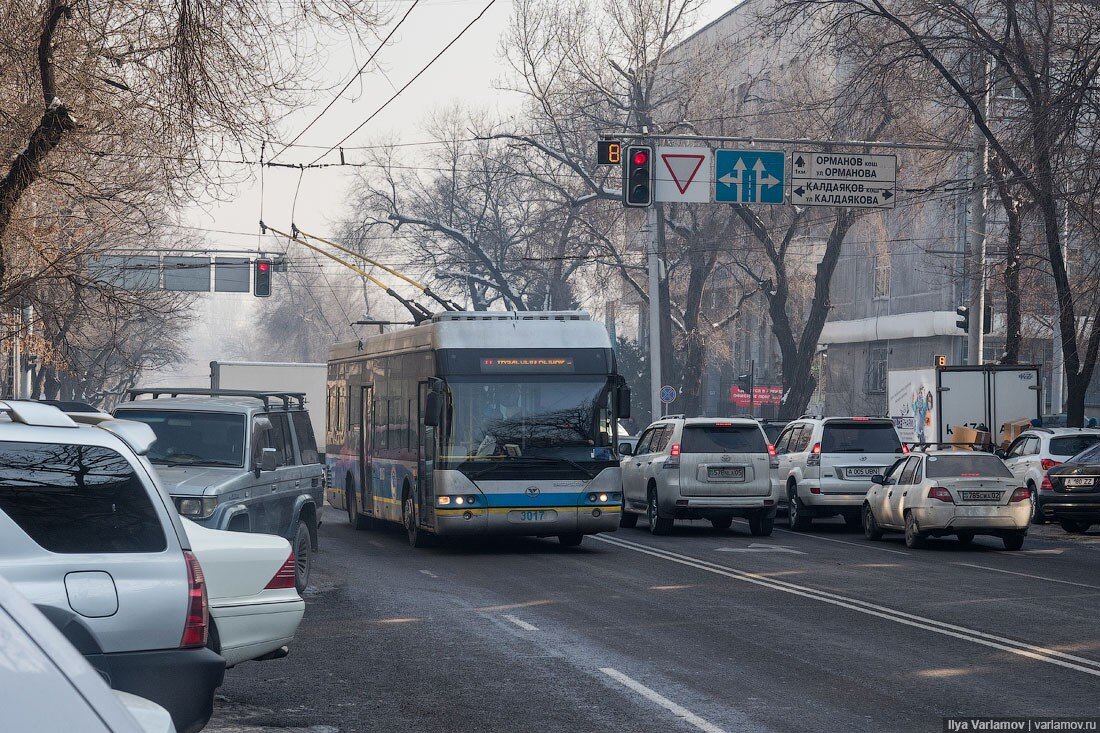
(196,507)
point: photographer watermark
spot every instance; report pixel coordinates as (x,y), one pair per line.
(972,724)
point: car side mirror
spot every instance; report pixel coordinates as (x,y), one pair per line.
(879,479)
(626,449)
(622,402)
(433,409)
(268,460)
(1001,453)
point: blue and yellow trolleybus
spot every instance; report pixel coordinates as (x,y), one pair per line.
(479,424)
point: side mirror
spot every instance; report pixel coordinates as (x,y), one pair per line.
(268,460)
(622,402)
(879,479)
(1001,453)
(433,409)
(626,449)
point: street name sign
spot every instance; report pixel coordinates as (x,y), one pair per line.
(683,175)
(852,180)
(749,176)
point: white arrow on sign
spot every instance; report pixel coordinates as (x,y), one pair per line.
(756,547)
(763,179)
(730,180)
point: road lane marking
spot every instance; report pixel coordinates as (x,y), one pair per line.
(521,623)
(429,573)
(757,547)
(1019,648)
(678,710)
(1027,575)
(831,539)
(510,606)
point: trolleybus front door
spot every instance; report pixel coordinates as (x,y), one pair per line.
(425,464)
(366,429)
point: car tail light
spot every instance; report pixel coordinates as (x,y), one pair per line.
(814,458)
(673,456)
(1020,494)
(771,451)
(284,576)
(1046,485)
(815,489)
(1049,463)
(198,608)
(904,449)
(940,493)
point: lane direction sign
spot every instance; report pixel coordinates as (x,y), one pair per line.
(683,175)
(749,176)
(853,180)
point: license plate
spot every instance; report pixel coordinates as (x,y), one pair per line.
(981,495)
(1078,481)
(861,471)
(532,515)
(727,474)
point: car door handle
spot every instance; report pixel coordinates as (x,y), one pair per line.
(889,494)
(297,484)
(637,464)
(905,493)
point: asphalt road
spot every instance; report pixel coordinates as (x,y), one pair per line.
(701,631)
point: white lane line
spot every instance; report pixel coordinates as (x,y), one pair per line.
(520,623)
(429,573)
(844,542)
(1028,575)
(1037,653)
(678,710)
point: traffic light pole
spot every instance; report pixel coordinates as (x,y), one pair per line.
(654,265)
(975,337)
(752,388)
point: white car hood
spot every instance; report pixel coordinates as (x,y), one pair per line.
(235,564)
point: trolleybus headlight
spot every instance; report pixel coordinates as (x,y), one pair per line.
(591,497)
(471,499)
(444,500)
(603,497)
(459,500)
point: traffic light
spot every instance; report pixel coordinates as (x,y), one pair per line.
(261,282)
(744,383)
(963,313)
(638,176)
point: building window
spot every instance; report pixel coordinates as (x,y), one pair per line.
(875,381)
(882,276)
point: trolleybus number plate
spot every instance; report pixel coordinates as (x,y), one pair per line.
(532,515)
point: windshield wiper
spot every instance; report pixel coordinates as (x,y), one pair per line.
(528,459)
(168,461)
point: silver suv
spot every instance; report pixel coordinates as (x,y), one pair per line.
(1037,450)
(826,464)
(238,460)
(88,536)
(699,468)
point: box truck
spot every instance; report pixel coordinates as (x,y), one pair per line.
(929,405)
(282,377)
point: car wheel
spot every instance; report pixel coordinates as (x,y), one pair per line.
(1074,526)
(628,519)
(570,540)
(1036,517)
(722,522)
(797,518)
(303,556)
(870,526)
(657,524)
(914,540)
(1014,541)
(760,526)
(965,538)
(417,537)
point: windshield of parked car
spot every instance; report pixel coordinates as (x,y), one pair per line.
(723,439)
(1071,445)
(856,437)
(964,465)
(193,438)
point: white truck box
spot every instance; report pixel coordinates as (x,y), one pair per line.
(278,376)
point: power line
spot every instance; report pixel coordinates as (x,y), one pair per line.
(355,76)
(409,82)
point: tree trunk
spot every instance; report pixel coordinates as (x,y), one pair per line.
(694,347)
(1014,212)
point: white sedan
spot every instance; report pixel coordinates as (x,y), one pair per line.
(938,493)
(254,608)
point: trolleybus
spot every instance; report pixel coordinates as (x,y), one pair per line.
(479,423)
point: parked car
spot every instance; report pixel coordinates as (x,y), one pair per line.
(948,492)
(825,465)
(237,460)
(1070,493)
(773,428)
(699,468)
(254,607)
(1037,450)
(87,535)
(52,688)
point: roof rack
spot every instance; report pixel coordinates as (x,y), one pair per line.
(264,397)
(677,416)
(33,413)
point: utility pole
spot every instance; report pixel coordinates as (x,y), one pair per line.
(975,337)
(1058,365)
(654,265)
(752,388)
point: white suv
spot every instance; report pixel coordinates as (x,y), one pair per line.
(699,468)
(1037,450)
(826,465)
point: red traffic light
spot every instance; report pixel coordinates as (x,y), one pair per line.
(641,157)
(263,266)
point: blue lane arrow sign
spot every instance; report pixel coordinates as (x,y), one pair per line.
(749,176)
